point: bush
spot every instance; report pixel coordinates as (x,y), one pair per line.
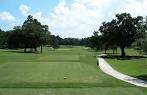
(141,45)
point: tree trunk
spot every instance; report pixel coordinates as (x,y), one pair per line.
(116,50)
(105,51)
(25,50)
(123,54)
(41,48)
(35,48)
(31,49)
(113,51)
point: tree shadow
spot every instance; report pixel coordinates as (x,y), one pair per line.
(118,57)
(91,50)
(142,77)
(20,51)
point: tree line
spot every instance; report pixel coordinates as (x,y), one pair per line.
(31,34)
(122,31)
(73,41)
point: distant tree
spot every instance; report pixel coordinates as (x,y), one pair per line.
(73,41)
(141,44)
(59,40)
(70,41)
(144,45)
(3,39)
(54,42)
(85,41)
(96,41)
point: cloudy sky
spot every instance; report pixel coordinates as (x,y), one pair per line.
(68,18)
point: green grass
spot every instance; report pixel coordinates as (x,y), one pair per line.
(75,91)
(65,71)
(135,67)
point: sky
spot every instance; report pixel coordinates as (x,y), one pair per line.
(68,18)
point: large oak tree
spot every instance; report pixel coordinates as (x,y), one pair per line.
(122,31)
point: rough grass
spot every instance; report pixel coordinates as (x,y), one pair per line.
(134,64)
(133,67)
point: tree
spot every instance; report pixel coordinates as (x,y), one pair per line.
(96,41)
(31,34)
(107,29)
(3,39)
(16,38)
(44,37)
(54,43)
(73,41)
(85,41)
(127,30)
(34,33)
(141,44)
(122,31)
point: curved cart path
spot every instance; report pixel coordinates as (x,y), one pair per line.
(106,68)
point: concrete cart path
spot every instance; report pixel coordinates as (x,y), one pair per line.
(106,68)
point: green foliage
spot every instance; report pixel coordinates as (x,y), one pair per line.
(16,38)
(54,42)
(141,44)
(96,41)
(3,39)
(31,34)
(34,33)
(70,41)
(122,31)
(74,41)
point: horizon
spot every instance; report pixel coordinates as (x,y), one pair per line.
(68,18)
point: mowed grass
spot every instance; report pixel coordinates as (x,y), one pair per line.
(65,67)
(65,71)
(136,67)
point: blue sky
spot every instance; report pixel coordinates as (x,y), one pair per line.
(68,18)
(12,6)
(36,5)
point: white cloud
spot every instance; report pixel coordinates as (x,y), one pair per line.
(8,21)
(24,9)
(40,17)
(81,17)
(135,7)
(74,20)
(6,16)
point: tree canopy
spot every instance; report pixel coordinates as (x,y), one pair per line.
(122,31)
(31,34)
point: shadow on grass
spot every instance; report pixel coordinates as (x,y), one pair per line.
(61,85)
(20,51)
(118,57)
(142,77)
